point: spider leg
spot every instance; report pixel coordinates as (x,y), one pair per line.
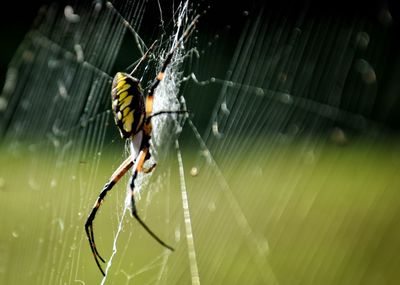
(150,169)
(165,112)
(167,61)
(117,175)
(145,55)
(140,43)
(138,40)
(139,168)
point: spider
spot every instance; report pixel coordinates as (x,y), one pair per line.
(133,113)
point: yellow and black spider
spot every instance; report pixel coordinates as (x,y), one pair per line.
(133,113)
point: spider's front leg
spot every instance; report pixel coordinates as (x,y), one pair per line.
(89,224)
(122,169)
(142,157)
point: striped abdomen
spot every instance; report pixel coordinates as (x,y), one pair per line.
(127,104)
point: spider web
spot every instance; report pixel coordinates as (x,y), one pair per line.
(284,172)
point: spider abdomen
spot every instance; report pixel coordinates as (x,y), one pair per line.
(127,104)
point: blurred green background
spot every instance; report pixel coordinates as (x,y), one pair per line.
(334,221)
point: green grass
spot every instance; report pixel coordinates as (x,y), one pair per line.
(322,215)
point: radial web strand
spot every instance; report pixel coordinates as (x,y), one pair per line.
(188,224)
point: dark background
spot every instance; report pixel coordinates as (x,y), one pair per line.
(17,18)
